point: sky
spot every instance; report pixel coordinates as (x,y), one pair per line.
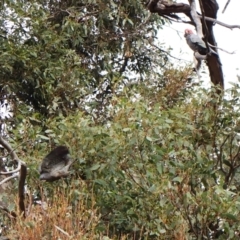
(226,38)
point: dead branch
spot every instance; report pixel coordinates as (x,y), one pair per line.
(11,172)
(161,50)
(195,18)
(225,7)
(22,176)
(223,50)
(215,21)
(7,179)
(61,230)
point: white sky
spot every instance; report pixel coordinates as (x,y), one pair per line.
(226,38)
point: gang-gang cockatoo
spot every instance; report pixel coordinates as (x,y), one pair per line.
(196,43)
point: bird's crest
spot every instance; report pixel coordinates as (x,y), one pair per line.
(188,32)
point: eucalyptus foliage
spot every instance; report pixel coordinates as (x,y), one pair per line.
(57,54)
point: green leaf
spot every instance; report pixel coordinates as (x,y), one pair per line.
(177,179)
(95,167)
(159,168)
(229,216)
(42,137)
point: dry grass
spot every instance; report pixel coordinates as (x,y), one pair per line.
(66,216)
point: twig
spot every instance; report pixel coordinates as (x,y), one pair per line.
(220,23)
(225,7)
(13,155)
(215,21)
(179,59)
(221,49)
(7,179)
(11,172)
(62,231)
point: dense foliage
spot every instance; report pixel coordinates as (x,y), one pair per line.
(157,157)
(54,55)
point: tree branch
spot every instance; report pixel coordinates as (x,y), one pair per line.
(225,7)
(195,18)
(22,177)
(215,21)
(4,208)
(8,178)
(221,49)
(11,172)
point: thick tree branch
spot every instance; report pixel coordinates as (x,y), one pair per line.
(163,8)
(195,18)
(213,63)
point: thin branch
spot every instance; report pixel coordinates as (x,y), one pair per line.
(231,149)
(219,22)
(186,211)
(220,154)
(215,21)
(221,49)
(224,9)
(179,59)
(11,172)
(8,178)
(61,230)
(12,153)
(235,158)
